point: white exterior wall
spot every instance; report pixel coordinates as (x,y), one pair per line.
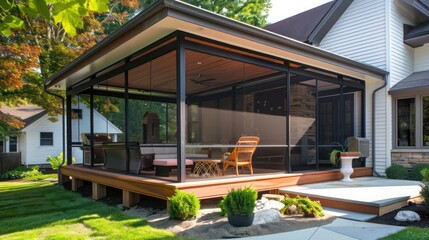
(401,55)
(421,58)
(33,153)
(360,33)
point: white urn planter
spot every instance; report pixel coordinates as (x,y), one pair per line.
(346,165)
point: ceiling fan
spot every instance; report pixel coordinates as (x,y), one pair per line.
(204,82)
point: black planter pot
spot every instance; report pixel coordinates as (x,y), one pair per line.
(241,220)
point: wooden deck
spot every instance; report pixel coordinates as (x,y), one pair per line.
(204,189)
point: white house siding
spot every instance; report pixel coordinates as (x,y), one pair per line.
(34,153)
(401,55)
(361,34)
(22,146)
(421,58)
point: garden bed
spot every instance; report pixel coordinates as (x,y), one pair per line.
(414,206)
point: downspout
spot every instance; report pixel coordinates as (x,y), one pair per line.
(374,172)
(63,130)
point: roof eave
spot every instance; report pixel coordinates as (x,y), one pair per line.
(187,12)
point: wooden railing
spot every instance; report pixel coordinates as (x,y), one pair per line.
(9,161)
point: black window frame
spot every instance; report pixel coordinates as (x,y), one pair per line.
(46,141)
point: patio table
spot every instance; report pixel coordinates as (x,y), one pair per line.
(206,168)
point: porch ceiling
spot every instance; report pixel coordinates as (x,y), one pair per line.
(168,16)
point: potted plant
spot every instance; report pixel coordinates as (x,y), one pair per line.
(238,205)
(346,159)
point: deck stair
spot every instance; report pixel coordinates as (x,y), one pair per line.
(371,195)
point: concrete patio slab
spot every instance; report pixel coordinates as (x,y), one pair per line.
(370,192)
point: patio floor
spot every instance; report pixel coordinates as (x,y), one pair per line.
(371,195)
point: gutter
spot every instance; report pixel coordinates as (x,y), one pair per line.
(63,130)
(374,172)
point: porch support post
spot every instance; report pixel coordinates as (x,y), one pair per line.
(317,125)
(91,123)
(69,129)
(127,152)
(98,191)
(181,109)
(76,183)
(288,153)
(129,199)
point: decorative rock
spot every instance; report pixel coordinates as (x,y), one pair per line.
(291,210)
(276,197)
(407,216)
(266,216)
(264,203)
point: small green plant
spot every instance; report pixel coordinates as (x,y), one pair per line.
(22,173)
(304,205)
(396,171)
(335,154)
(424,192)
(57,160)
(239,201)
(415,173)
(183,205)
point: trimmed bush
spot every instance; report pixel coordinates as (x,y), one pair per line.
(22,172)
(416,171)
(397,172)
(183,205)
(239,201)
(304,205)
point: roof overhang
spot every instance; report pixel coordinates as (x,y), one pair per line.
(168,16)
(417,81)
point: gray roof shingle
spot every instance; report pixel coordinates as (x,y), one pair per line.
(414,81)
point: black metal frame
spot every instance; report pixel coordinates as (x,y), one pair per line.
(180,45)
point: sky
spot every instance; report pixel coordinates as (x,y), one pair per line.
(282,9)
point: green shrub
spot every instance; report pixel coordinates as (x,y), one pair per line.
(183,205)
(397,172)
(56,161)
(416,170)
(22,172)
(288,201)
(425,174)
(239,201)
(304,205)
(424,192)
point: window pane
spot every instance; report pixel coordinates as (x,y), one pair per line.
(13,144)
(46,139)
(406,122)
(425,121)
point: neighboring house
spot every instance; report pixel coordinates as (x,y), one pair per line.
(392,35)
(40,137)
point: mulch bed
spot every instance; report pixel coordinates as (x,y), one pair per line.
(422,210)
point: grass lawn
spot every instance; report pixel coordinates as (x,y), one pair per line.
(42,210)
(413,233)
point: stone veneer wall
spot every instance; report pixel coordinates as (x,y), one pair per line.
(409,159)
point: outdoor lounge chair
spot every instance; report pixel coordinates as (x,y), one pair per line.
(241,155)
(115,157)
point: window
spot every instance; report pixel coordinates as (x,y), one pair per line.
(406,122)
(46,139)
(1,146)
(425,114)
(76,113)
(13,144)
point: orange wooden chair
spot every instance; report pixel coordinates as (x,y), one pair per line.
(241,155)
